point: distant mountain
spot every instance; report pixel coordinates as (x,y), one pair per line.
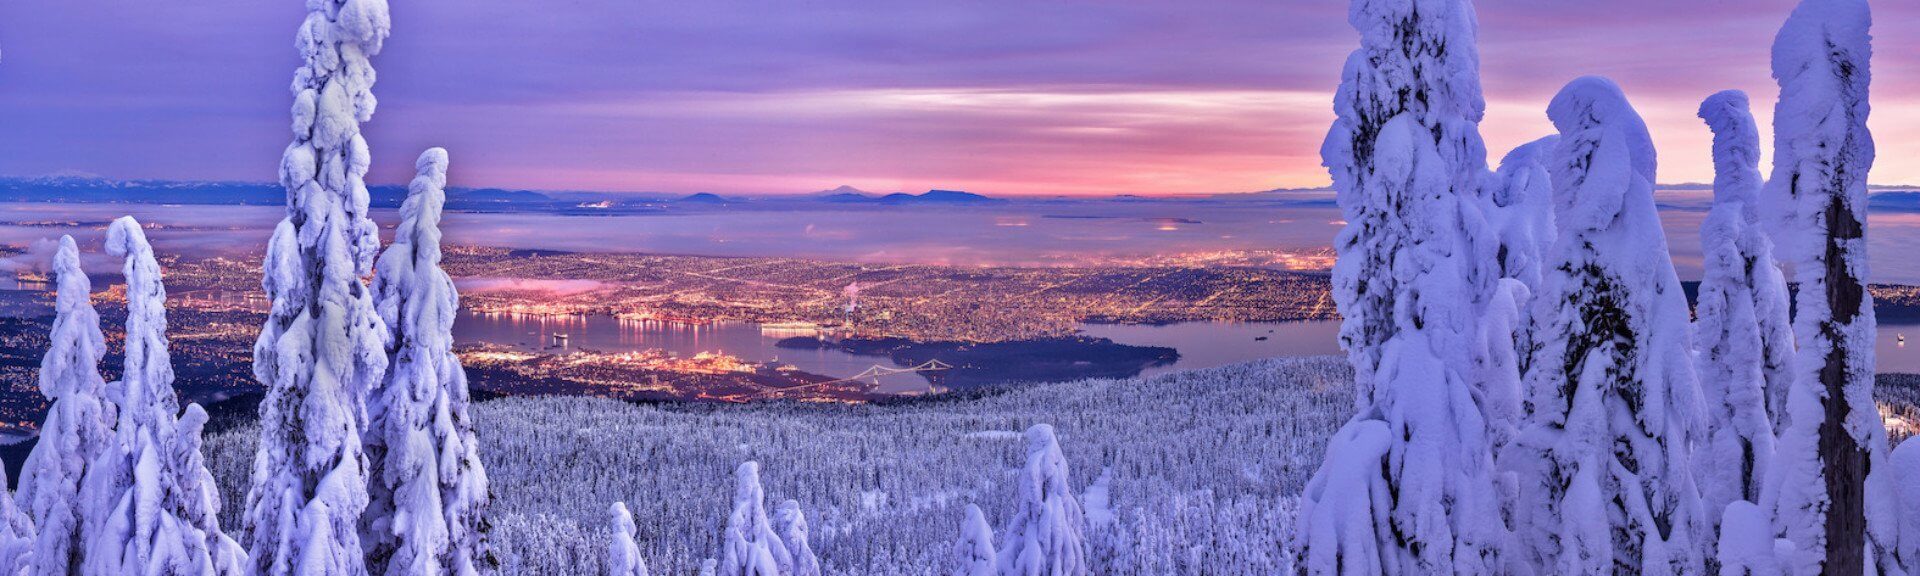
(844,190)
(956,197)
(937,197)
(703,198)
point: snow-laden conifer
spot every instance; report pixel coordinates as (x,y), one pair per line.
(1416,277)
(1615,407)
(16,534)
(321,350)
(752,548)
(429,493)
(1744,335)
(791,525)
(1901,544)
(1419,67)
(1818,195)
(159,505)
(79,424)
(1518,205)
(623,555)
(1047,534)
(973,553)
(1519,211)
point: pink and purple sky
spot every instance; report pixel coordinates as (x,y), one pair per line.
(998,97)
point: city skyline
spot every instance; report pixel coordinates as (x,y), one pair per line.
(1149,98)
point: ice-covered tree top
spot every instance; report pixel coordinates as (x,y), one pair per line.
(973,553)
(72,362)
(149,368)
(1822,145)
(1416,57)
(1736,148)
(333,94)
(623,556)
(1596,122)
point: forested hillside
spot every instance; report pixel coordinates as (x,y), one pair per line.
(1187,473)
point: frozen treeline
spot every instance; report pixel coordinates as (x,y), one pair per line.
(118,478)
(1202,473)
(1615,432)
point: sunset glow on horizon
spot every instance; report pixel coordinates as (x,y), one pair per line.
(1156,98)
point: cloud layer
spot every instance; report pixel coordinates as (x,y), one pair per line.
(1150,96)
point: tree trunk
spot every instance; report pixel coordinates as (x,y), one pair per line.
(1846,466)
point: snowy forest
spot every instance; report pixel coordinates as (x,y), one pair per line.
(1526,389)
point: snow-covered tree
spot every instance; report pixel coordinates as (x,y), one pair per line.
(1745,337)
(1518,205)
(1818,193)
(429,493)
(1419,67)
(322,348)
(1047,535)
(791,525)
(16,534)
(1519,211)
(1614,408)
(1342,524)
(160,505)
(623,555)
(973,553)
(752,547)
(1416,275)
(79,424)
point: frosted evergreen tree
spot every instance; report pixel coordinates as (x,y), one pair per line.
(429,493)
(1047,535)
(1416,274)
(1822,153)
(1745,337)
(16,534)
(1614,404)
(1519,211)
(751,546)
(1419,67)
(79,424)
(160,504)
(973,553)
(1342,526)
(1518,205)
(623,555)
(1900,544)
(791,525)
(322,349)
